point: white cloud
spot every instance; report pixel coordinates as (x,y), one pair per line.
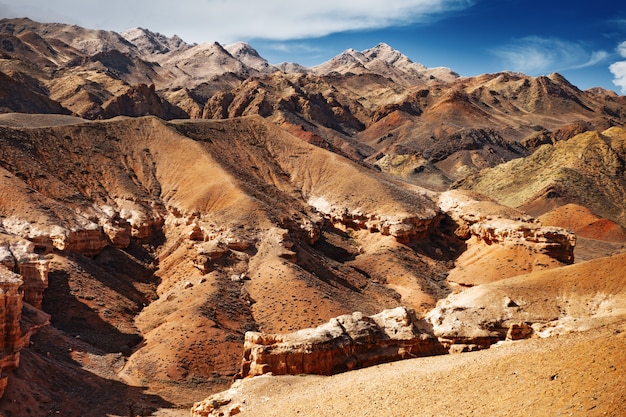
(230,20)
(618,69)
(621,49)
(534,55)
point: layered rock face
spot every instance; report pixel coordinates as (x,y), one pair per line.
(18,255)
(30,320)
(491,223)
(540,304)
(10,314)
(344,343)
(23,279)
(404,227)
(553,241)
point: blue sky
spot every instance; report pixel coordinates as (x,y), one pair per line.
(583,40)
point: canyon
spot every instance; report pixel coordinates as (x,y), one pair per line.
(185,222)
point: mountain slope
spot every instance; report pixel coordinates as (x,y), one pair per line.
(586,170)
(145,260)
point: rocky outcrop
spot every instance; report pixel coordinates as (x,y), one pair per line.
(86,238)
(118,232)
(88,242)
(18,322)
(461,329)
(19,256)
(538,304)
(142,100)
(553,241)
(402,226)
(344,343)
(34,272)
(491,223)
(143,220)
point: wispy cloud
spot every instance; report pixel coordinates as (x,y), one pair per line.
(618,69)
(293,47)
(535,55)
(230,20)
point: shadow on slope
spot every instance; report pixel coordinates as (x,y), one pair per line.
(62,375)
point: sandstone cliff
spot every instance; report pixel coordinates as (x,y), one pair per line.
(23,280)
(556,242)
(18,322)
(345,343)
(19,256)
(498,235)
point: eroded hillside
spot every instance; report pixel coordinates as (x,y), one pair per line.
(161,244)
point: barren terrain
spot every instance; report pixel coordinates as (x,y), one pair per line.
(159,200)
(579,374)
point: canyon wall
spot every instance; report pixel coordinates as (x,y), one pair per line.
(10,314)
(23,279)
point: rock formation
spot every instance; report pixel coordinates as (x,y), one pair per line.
(142,100)
(33,269)
(542,304)
(492,223)
(402,226)
(19,255)
(10,314)
(23,279)
(556,242)
(345,343)
(496,234)
(18,321)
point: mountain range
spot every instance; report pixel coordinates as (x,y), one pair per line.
(162,204)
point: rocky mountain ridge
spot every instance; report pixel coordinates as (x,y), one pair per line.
(426,125)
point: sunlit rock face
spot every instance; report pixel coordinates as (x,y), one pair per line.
(344,343)
(553,241)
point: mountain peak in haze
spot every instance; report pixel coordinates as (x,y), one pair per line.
(154,43)
(389,55)
(386,61)
(249,56)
